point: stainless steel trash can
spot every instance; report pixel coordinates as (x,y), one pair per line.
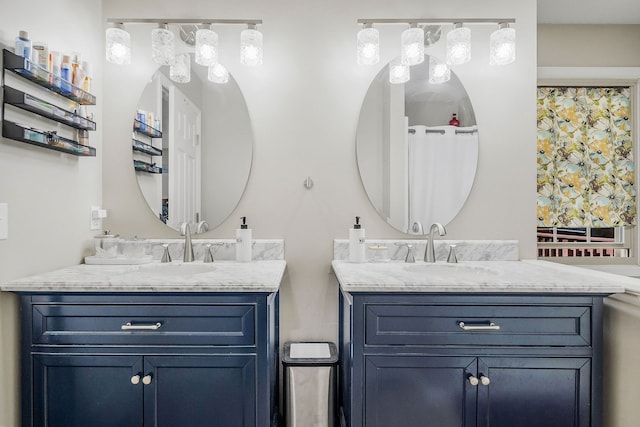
(309,377)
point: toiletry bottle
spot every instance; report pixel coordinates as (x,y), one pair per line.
(454,121)
(88,76)
(56,67)
(65,74)
(40,54)
(23,47)
(357,248)
(75,65)
(243,242)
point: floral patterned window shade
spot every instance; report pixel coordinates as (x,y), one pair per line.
(585,162)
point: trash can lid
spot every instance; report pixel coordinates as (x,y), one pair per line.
(310,353)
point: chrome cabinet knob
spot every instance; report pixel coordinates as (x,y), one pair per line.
(146,380)
(485,380)
(473,380)
(135,379)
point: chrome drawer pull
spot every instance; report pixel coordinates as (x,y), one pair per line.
(479,327)
(141,327)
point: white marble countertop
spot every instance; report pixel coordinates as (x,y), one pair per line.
(527,276)
(219,276)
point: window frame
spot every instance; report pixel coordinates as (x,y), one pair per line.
(631,235)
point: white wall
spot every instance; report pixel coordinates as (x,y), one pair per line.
(49,193)
(304,104)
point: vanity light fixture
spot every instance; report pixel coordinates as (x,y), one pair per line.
(368,45)
(439,72)
(218,73)
(197,34)
(398,72)
(251,46)
(162,47)
(118,45)
(413,41)
(502,45)
(459,45)
(180,70)
(412,45)
(206,46)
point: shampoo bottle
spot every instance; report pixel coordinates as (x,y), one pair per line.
(243,242)
(23,47)
(357,248)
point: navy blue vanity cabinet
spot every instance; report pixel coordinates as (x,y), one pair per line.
(470,360)
(149,360)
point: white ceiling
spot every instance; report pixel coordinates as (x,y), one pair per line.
(589,11)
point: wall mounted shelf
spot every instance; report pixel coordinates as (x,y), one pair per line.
(45,81)
(146,148)
(33,72)
(35,105)
(45,139)
(145,129)
(141,166)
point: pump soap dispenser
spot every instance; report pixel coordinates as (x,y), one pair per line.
(243,242)
(357,248)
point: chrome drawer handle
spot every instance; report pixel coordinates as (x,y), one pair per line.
(479,327)
(141,327)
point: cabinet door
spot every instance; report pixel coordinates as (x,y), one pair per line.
(534,392)
(200,391)
(419,391)
(86,390)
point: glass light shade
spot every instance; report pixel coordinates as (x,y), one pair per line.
(398,72)
(180,70)
(459,46)
(412,46)
(162,49)
(206,47)
(502,46)
(439,72)
(251,47)
(118,46)
(368,46)
(218,73)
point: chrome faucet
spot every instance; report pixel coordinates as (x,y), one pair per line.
(188,247)
(429,252)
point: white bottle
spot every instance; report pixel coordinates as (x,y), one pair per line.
(243,242)
(357,248)
(23,45)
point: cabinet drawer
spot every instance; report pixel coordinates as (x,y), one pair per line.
(541,325)
(197,325)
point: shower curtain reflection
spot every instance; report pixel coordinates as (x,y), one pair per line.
(442,166)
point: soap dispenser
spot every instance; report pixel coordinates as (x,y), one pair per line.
(357,248)
(243,242)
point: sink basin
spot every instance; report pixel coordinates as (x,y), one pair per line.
(449,269)
(175,269)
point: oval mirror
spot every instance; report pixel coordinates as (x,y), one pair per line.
(192,149)
(416,168)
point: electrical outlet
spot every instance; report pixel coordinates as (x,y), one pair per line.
(4,221)
(96,217)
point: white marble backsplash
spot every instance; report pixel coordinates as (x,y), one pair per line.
(466,250)
(222,249)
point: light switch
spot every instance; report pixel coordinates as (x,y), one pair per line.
(4,221)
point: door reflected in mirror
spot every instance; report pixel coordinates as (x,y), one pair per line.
(415,166)
(195,167)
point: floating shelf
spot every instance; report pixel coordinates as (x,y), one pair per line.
(35,105)
(145,129)
(146,148)
(33,72)
(141,166)
(45,140)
